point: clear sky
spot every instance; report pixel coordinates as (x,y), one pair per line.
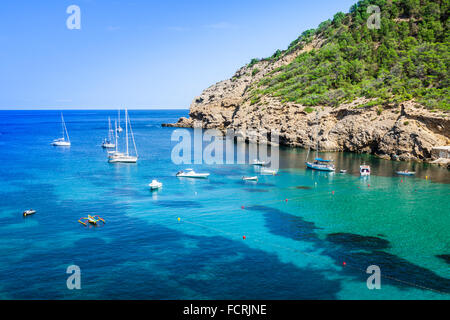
(139,53)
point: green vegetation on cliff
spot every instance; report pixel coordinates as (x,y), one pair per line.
(406,58)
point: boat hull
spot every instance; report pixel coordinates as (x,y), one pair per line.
(196,176)
(123,160)
(406,173)
(61,144)
(319,167)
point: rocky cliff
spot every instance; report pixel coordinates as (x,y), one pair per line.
(404,130)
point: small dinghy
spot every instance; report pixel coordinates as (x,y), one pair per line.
(155,185)
(29,212)
(268,171)
(190,173)
(343,171)
(405,173)
(255,178)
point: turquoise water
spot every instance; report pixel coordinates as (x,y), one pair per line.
(292,249)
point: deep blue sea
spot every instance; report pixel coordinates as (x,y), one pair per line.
(294,249)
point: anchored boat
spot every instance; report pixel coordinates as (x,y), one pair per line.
(258,162)
(108,143)
(364,170)
(268,171)
(255,178)
(119,157)
(155,184)
(405,173)
(190,173)
(319,163)
(62,142)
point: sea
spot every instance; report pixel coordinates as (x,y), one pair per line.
(299,234)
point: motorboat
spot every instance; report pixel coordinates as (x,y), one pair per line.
(268,171)
(190,173)
(343,171)
(29,212)
(155,184)
(62,142)
(405,173)
(255,178)
(364,170)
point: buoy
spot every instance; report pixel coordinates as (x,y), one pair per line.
(401,181)
(286,200)
(344,263)
(242,207)
(179,219)
(426,177)
(243,237)
(332,192)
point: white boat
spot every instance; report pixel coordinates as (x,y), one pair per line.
(257,162)
(319,163)
(29,212)
(343,171)
(364,170)
(108,143)
(255,178)
(119,128)
(120,157)
(190,173)
(268,171)
(62,142)
(155,184)
(406,173)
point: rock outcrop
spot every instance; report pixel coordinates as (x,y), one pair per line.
(406,131)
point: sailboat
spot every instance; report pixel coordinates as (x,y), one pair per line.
(119,157)
(319,163)
(62,142)
(107,143)
(119,128)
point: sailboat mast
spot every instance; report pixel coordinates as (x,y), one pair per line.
(132,137)
(62,126)
(317,133)
(109,129)
(115,126)
(126,128)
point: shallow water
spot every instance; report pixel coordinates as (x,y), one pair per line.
(291,250)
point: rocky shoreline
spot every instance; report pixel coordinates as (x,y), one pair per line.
(405,131)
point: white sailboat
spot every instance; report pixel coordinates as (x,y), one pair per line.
(119,128)
(319,163)
(119,157)
(62,142)
(108,143)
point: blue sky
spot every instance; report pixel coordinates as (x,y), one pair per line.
(139,53)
